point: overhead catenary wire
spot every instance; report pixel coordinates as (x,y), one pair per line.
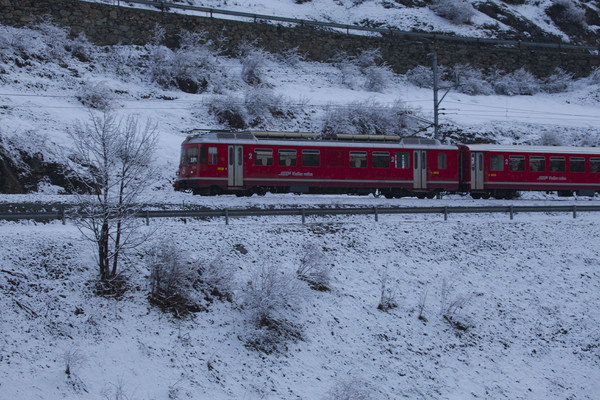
(479,110)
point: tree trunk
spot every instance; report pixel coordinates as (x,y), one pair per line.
(117,244)
(103,248)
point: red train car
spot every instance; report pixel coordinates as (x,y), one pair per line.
(500,171)
(244,163)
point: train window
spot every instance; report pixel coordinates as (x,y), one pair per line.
(203,155)
(358,159)
(537,163)
(263,156)
(441,160)
(311,158)
(212,155)
(594,164)
(577,164)
(288,158)
(516,163)
(381,159)
(191,155)
(403,159)
(557,164)
(496,162)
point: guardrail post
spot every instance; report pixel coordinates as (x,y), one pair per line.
(512,213)
(147,218)
(226,217)
(64,218)
(575,211)
(376,215)
(446,213)
(303,216)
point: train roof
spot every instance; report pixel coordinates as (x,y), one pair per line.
(501,148)
(310,139)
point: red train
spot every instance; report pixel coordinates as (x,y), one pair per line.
(244,163)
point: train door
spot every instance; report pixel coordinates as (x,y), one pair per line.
(477,171)
(235,171)
(420,169)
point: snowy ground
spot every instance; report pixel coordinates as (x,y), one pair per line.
(417,16)
(533,325)
(531,289)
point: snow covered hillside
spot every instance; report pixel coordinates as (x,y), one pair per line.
(522,297)
(570,21)
(49,82)
(414,307)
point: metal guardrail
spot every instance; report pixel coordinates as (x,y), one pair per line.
(305,212)
(165,6)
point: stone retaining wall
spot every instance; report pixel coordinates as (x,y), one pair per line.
(105,25)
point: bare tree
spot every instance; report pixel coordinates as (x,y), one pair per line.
(115,163)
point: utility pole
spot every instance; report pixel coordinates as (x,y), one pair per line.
(436,103)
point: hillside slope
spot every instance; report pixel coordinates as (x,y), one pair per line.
(51,82)
(509,308)
(527,289)
(571,21)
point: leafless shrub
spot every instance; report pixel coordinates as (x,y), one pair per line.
(351,76)
(168,272)
(81,48)
(253,64)
(519,82)
(367,58)
(569,12)
(365,70)
(73,359)
(422,304)
(54,38)
(43,41)
(120,60)
(160,58)
(171,279)
(313,268)
(551,138)
(387,300)
(260,107)
(558,82)
(216,279)
(188,68)
(351,389)
(97,95)
(456,11)
(270,293)
(229,111)
(452,304)
(192,63)
(290,57)
(269,299)
(117,391)
(377,78)
(471,81)
(263,106)
(422,76)
(594,77)
(370,118)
